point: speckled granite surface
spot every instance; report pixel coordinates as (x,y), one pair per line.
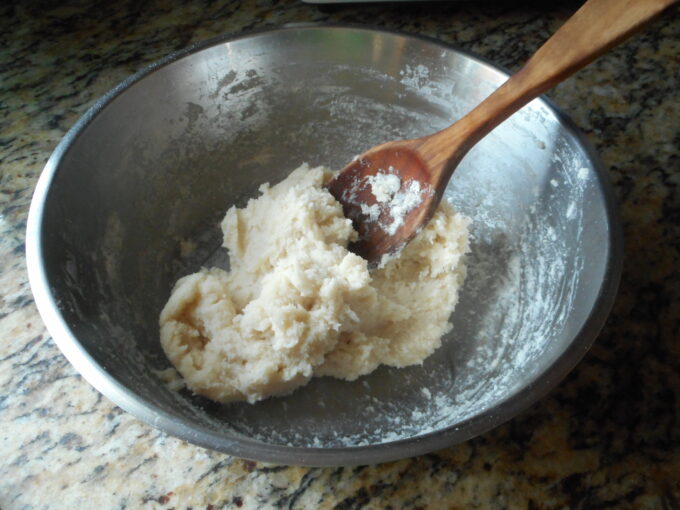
(608,437)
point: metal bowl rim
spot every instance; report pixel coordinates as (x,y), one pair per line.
(148,412)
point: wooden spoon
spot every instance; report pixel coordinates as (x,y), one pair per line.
(421,168)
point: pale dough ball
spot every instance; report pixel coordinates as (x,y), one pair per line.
(296,304)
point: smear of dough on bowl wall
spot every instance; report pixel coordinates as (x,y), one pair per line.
(296,303)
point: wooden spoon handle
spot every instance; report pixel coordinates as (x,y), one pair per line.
(595,28)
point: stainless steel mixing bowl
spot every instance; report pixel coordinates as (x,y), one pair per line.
(131,198)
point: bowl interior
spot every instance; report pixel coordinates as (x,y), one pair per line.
(136,198)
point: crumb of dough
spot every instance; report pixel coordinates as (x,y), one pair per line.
(171,378)
(297,304)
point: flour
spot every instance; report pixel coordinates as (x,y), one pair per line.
(397,198)
(394,198)
(372,212)
(384,185)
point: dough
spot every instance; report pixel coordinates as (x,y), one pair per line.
(296,304)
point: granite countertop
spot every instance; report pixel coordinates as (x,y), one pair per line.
(608,436)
